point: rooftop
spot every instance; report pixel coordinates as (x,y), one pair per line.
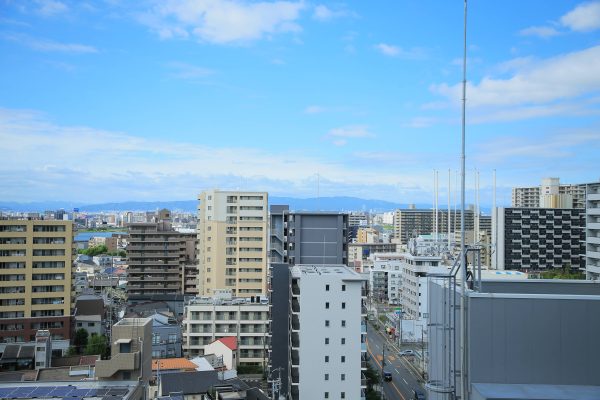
(340,270)
(229,341)
(172,363)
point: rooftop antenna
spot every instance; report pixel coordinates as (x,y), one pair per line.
(463,261)
(449,189)
(318,194)
(495,222)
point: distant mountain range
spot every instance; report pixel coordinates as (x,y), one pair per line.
(298,204)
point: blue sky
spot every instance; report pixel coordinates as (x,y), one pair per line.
(157,100)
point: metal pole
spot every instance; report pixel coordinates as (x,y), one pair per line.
(463,263)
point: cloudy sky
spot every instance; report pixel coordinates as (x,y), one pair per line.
(157,100)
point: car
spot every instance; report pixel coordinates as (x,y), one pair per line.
(407,353)
(418,394)
(387,375)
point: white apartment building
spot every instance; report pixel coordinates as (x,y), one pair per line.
(592,231)
(207,319)
(550,194)
(385,278)
(415,270)
(232,242)
(328,333)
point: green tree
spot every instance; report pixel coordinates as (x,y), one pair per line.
(81,340)
(71,351)
(97,344)
(95,250)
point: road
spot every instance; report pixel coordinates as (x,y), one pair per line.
(405,377)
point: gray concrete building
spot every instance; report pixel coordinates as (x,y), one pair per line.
(592,231)
(167,338)
(538,238)
(304,237)
(525,339)
(410,223)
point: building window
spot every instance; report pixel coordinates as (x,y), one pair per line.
(326,340)
(327,323)
(343,395)
(343,323)
(327,305)
(327,288)
(343,377)
(343,359)
(343,288)
(326,395)
(326,359)
(326,377)
(343,306)
(343,340)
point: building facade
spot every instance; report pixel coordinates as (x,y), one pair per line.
(410,223)
(415,270)
(592,230)
(167,338)
(550,194)
(308,237)
(207,319)
(35,278)
(539,238)
(156,256)
(232,242)
(385,278)
(327,341)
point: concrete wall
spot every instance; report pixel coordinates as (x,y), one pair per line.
(280,300)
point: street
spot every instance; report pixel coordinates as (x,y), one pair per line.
(405,377)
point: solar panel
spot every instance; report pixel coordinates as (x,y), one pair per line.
(23,392)
(42,391)
(92,393)
(117,392)
(61,391)
(101,392)
(79,393)
(6,391)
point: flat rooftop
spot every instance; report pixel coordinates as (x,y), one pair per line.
(340,270)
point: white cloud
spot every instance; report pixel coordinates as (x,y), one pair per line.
(142,168)
(223,21)
(314,109)
(353,131)
(396,51)
(188,71)
(540,31)
(46,45)
(583,18)
(324,13)
(562,77)
(49,8)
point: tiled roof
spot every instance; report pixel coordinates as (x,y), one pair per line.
(172,363)
(229,341)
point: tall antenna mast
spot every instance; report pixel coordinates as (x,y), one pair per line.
(463,261)
(449,189)
(495,222)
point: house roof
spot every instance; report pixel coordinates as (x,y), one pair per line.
(229,341)
(89,306)
(187,382)
(172,363)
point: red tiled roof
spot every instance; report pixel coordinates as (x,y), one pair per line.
(229,341)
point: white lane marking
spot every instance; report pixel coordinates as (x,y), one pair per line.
(405,381)
(397,370)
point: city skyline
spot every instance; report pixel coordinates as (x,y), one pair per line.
(159,101)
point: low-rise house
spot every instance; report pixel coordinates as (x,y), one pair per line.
(225,348)
(88,314)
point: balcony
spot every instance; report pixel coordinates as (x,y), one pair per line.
(118,362)
(593,240)
(363,328)
(593,225)
(295,306)
(295,290)
(295,358)
(295,323)
(295,376)
(295,340)
(363,380)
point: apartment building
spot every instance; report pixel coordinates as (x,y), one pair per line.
(592,231)
(410,223)
(246,319)
(35,278)
(232,242)
(326,342)
(415,271)
(539,238)
(385,278)
(156,258)
(308,237)
(550,194)
(130,352)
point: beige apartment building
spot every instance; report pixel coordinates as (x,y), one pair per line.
(232,242)
(550,194)
(35,278)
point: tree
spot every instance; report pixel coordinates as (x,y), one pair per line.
(94,250)
(81,340)
(71,351)
(97,345)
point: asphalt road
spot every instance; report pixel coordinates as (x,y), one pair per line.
(405,377)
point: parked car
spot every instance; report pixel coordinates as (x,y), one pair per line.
(418,394)
(407,353)
(387,375)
